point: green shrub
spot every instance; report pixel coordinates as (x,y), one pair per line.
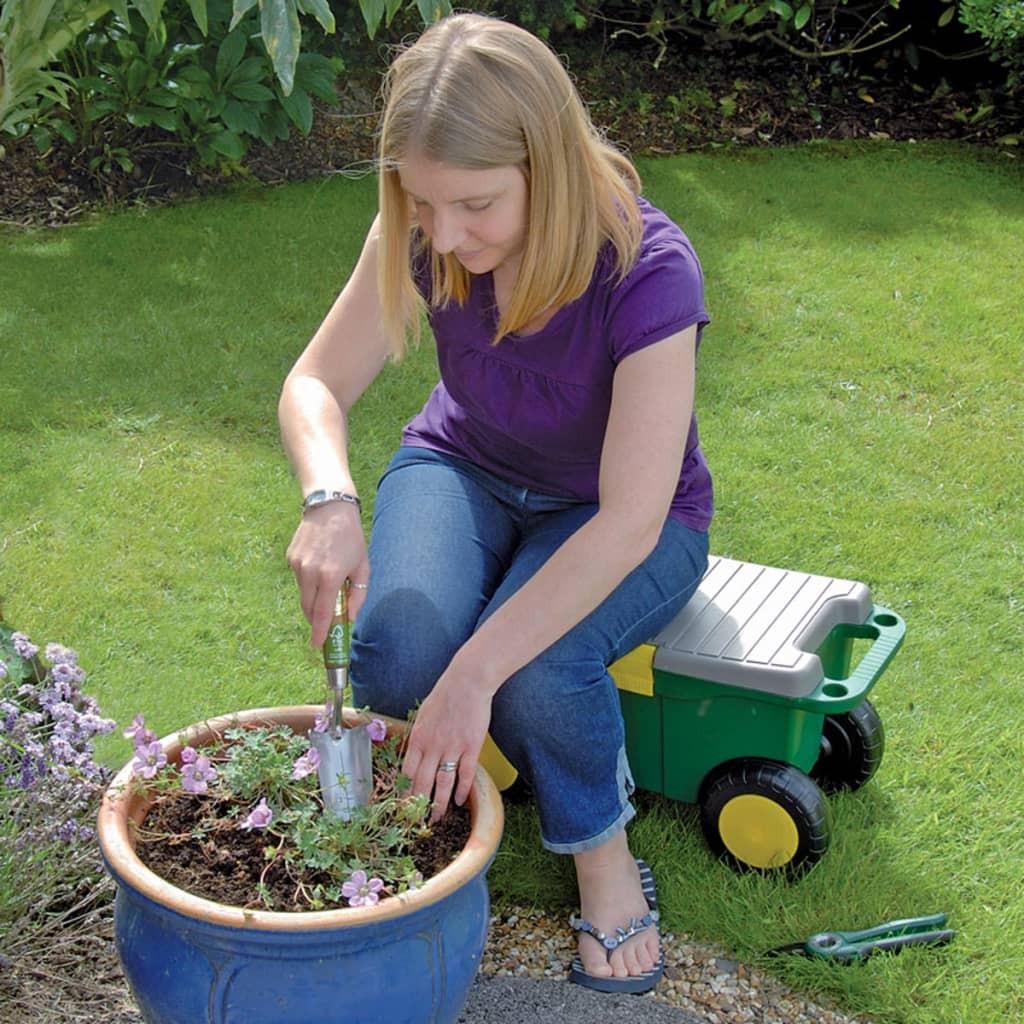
(208,94)
(1001,24)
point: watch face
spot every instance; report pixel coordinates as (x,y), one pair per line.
(314,497)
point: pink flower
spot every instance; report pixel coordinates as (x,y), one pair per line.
(361,891)
(259,817)
(149,759)
(196,774)
(306,764)
(378,731)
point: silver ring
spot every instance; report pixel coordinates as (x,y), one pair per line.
(359,586)
(448,766)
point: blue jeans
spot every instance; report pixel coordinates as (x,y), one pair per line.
(450,543)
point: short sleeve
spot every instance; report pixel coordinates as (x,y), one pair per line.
(662,295)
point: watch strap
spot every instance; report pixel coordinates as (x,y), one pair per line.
(317,498)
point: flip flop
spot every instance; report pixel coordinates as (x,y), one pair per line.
(633,984)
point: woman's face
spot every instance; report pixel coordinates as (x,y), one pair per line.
(481,217)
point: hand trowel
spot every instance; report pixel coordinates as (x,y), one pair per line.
(345,769)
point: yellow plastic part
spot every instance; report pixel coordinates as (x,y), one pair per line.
(496,764)
(635,671)
(758,831)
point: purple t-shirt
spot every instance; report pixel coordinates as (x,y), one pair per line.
(533,409)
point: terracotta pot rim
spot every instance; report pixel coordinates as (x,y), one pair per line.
(121,806)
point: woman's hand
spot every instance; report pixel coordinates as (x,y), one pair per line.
(328,548)
(449,728)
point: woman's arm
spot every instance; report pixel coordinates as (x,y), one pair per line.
(342,359)
(644,445)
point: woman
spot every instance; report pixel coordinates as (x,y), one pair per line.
(548,508)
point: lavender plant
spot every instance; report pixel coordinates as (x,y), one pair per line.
(47,727)
(54,895)
(262,779)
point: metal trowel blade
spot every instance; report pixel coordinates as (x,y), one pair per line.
(345,770)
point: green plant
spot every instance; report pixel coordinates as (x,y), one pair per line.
(34,33)
(264,780)
(1001,24)
(209,94)
(51,877)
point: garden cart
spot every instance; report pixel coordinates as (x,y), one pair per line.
(749,704)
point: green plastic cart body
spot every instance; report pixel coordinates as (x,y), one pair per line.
(750,668)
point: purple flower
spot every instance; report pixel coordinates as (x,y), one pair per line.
(57,654)
(189,755)
(3,670)
(196,774)
(138,733)
(65,673)
(306,764)
(67,832)
(259,817)
(24,646)
(378,731)
(322,722)
(361,891)
(149,759)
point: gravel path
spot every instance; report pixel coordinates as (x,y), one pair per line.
(525,943)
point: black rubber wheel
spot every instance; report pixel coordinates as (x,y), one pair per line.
(764,816)
(852,745)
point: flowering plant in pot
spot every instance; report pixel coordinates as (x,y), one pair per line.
(240,900)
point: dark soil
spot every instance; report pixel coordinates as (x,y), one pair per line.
(698,97)
(228,866)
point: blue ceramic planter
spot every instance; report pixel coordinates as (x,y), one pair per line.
(408,960)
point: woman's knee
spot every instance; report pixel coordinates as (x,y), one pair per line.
(400,646)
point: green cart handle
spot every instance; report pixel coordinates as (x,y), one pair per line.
(842,692)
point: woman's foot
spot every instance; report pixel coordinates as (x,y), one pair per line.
(610,896)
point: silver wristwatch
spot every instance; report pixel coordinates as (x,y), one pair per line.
(316,498)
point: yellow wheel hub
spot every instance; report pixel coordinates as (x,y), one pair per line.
(758,831)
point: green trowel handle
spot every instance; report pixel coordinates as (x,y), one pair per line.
(338,633)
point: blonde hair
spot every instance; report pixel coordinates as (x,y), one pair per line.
(477,93)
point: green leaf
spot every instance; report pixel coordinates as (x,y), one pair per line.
(198,8)
(282,36)
(194,74)
(252,69)
(754,16)
(150,11)
(228,144)
(734,13)
(239,10)
(802,17)
(155,41)
(136,77)
(42,138)
(299,108)
(66,131)
(947,15)
(430,10)
(373,12)
(160,97)
(169,120)
(240,118)
(316,74)
(230,53)
(321,10)
(782,9)
(251,91)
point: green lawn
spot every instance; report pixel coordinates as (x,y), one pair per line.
(860,397)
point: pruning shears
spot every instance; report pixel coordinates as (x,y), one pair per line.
(846,947)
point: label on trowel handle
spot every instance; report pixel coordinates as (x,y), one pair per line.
(339,633)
